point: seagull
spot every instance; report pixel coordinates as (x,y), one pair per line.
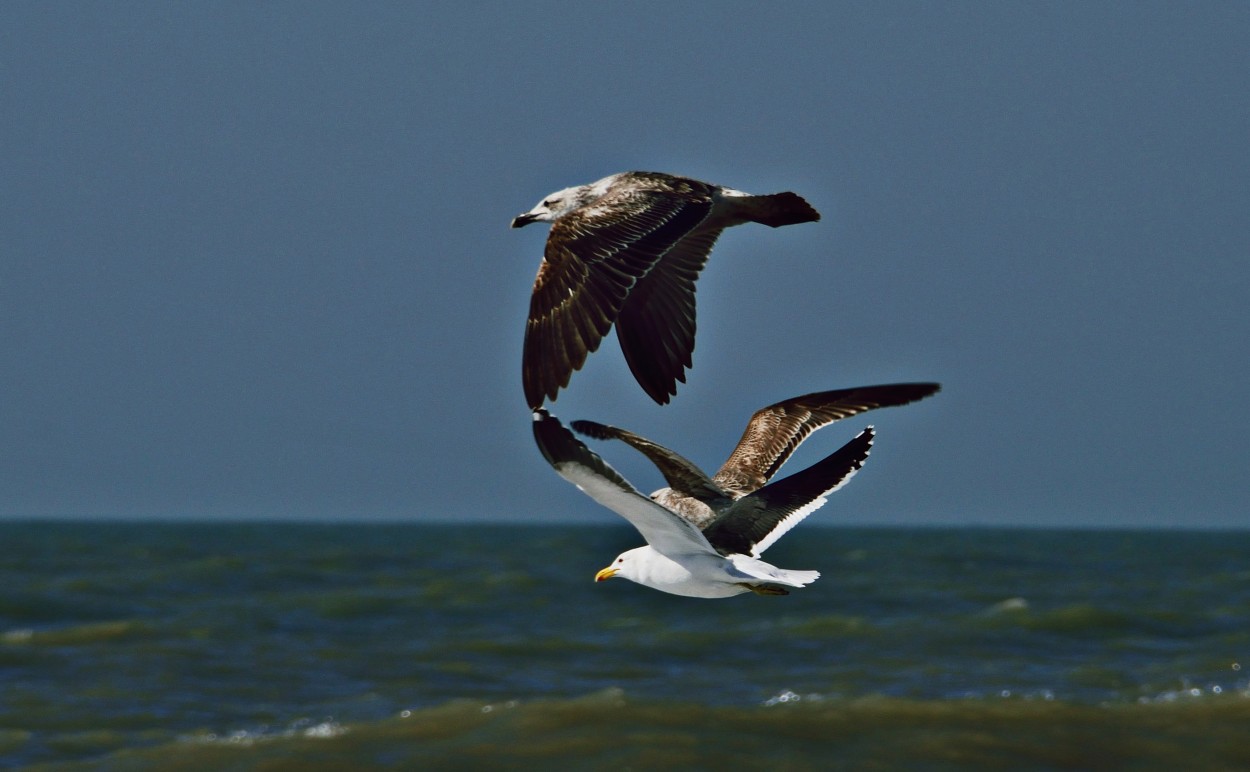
(772,434)
(626,251)
(721,558)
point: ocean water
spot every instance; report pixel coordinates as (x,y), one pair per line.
(258,646)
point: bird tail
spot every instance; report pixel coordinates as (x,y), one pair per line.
(799,578)
(778,586)
(767,572)
(779,209)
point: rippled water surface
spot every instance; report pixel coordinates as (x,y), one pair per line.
(369,646)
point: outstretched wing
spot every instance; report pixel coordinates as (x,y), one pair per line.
(680,474)
(774,432)
(656,328)
(667,532)
(594,257)
(752,523)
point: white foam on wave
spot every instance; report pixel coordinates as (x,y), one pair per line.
(302,727)
(786,696)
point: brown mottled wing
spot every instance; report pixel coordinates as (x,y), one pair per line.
(594,257)
(680,474)
(774,432)
(656,328)
(756,521)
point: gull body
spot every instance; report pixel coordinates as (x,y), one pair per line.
(716,561)
(626,251)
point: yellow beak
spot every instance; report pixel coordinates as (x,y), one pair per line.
(605,574)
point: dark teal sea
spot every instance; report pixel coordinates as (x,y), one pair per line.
(266,646)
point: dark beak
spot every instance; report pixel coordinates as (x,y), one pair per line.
(521,220)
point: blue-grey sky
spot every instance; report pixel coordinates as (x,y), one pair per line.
(256,259)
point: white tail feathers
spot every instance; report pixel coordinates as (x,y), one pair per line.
(798,578)
(767,572)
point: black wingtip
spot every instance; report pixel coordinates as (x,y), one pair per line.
(537,393)
(592,429)
(925,388)
(659,385)
(551,437)
(561,448)
(863,441)
(534,400)
(898,394)
(663,397)
(556,442)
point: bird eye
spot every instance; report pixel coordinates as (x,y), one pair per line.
(549,203)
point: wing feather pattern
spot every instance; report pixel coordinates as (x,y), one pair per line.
(680,474)
(667,532)
(754,522)
(593,259)
(774,432)
(656,328)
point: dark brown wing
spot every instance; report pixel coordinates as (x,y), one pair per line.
(754,522)
(680,474)
(774,432)
(656,328)
(593,259)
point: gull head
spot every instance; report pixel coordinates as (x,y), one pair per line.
(556,205)
(625,566)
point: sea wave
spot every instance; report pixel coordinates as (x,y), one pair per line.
(240,647)
(608,729)
(74,635)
